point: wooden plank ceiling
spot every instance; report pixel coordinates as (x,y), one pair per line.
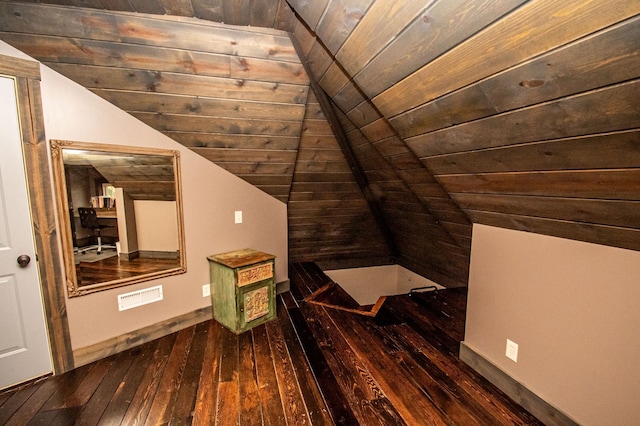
(519,114)
(141,176)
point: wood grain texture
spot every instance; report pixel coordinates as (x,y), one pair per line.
(326,205)
(609,109)
(533,29)
(581,184)
(339,20)
(310,12)
(381,25)
(436,29)
(97,77)
(616,150)
(584,210)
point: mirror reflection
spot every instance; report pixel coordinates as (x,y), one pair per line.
(120,214)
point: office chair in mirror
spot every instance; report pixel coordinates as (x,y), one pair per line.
(89,220)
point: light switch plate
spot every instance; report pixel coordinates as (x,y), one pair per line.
(206,290)
(238,216)
(512,351)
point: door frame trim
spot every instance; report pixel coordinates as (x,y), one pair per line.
(39,183)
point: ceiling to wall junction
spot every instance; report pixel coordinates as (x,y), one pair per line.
(518,114)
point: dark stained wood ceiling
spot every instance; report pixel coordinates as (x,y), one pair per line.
(234,95)
(141,176)
(519,114)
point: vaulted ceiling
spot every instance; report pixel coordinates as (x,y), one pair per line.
(387,127)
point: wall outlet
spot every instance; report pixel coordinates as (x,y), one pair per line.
(512,351)
(206,290)
(238,216)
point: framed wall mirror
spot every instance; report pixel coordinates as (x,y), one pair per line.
(120,212)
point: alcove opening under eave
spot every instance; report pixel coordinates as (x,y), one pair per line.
(367,284)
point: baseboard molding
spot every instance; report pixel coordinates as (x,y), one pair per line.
(283,286)
(130,255)
(135,338)
(154,254)
(540,408)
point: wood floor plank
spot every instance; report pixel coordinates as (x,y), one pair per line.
(94,409)
(354,377)
(65,384)
(160,411)
(305,281)
(250,404)
(185,401)
(228,409)
(401,309)
(313,396)
(61,417)
(207,399)
(45,397)
(410,402)
(124,394)
(81,395)
(339,408)
(16,400)
(450,406)
(267,381)
(437,369)
(462,380)
(347,383)
(294,407)
(31,407)
(140,406)
(442,314)
(4,396)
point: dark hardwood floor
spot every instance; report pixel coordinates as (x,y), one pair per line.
(115,268)
(312,365)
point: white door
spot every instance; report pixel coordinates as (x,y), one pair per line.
(24,346)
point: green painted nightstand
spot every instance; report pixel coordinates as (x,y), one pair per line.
(243,290)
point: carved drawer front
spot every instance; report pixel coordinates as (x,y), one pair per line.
(254,274)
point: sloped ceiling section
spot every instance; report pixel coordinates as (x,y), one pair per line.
(330,221)
(432,235)
(234,95)
(519,114)
(526,113)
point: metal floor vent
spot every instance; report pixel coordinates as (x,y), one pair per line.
(139,297)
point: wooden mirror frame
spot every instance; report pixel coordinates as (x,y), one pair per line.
(73,289)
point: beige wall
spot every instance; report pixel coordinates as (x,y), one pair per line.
(210,197)
(574,310)
(156,225)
